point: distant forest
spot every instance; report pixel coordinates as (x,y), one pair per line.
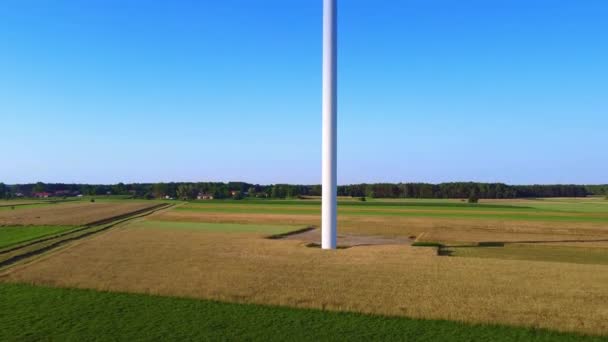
(240,190)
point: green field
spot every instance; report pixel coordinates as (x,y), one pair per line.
(13,235)
(34,313)
(528,211)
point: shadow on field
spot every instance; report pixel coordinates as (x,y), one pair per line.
(448,250)
(294,232)
(485,244)
(312,237)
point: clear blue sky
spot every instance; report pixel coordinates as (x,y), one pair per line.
(96,91)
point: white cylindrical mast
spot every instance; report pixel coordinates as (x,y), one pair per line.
(330,106)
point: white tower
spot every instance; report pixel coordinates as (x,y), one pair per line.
(330,107)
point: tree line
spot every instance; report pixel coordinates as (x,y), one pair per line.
(461,190)
(239,190)
(598,189)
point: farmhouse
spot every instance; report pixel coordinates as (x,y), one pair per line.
(204,196)
(42,194)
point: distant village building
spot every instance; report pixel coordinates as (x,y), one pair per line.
(65,193)
(204,196)
(42,194)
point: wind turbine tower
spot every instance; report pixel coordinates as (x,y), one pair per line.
(330,108)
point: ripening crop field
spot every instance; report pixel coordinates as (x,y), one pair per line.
(67,213)
(530,264)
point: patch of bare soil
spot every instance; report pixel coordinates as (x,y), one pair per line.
(313,236)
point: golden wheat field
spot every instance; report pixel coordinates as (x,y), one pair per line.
(77,213)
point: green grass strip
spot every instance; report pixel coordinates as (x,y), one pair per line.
(426,244)
(40,313)
(13,235)
(397,204)
(531,216)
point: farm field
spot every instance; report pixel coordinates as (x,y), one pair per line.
(92,315)
(22,240)
(73,213)
(443,221)
(12,235)
(535,252)
(18,202)
(528,263)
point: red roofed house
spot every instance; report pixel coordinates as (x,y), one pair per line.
(42,194)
